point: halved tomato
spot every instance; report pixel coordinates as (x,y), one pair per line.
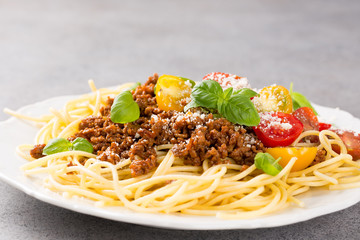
(305,156)
(351,141)
(227,80)
(278,129)
(324,126)
(170,90)
(307,117)
(274,98)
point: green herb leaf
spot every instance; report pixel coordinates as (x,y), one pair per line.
(81,144)
(223,101)
(239,109)
(267,163)
(124,108)
(57,145)
(300,100)
(235,106)
(206,93)
(191,104)
(247,92)
(228,92)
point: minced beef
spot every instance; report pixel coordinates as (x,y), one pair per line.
(196,135)
(320,157)
(37,151)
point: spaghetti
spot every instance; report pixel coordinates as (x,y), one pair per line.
(228,191)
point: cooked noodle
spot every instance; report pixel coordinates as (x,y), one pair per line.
(227,191)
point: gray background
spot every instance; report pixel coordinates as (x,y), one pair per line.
(50,48)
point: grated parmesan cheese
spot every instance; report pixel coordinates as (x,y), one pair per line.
(188,83)
(230,81)
(274,121)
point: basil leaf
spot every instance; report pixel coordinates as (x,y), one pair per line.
(295,104)
(235,106)
(300,100)
(191,104)
(124,108)
(81,144)
(187,79)
(239,109)
(267,163)
(57,145)
(228,92)
(206,93)
(222,101)
(246,92)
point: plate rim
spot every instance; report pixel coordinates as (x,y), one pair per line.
(142,218)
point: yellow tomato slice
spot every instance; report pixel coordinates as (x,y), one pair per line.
(305,156)
(170,90)
(274,98)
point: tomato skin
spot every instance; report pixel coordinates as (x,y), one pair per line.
(274,98)
(305,156)
(307,117)
(351,141)
(278,129)
(227,80)
(169,92)
(324,126)
(218,76)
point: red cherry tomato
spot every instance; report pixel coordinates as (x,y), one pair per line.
(227,80)
(307,117)
(278,129)
(324,126)
(351,141)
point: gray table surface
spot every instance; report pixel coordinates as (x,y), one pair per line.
(50,48)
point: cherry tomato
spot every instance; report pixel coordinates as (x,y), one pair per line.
(227,80)
(170,90)
(324,126)
(351,141)
(278,129)
(307,117)
(305,156)
(274,98)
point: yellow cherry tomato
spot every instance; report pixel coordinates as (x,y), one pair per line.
(274,98)
(170,90)
(305,156)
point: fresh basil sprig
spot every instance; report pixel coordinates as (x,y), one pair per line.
(191,104)
(81,144)
(207,93)
(124,108)
(58,145)
(267,163)
(235,106)
(300,100)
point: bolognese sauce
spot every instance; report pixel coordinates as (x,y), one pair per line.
(196,135)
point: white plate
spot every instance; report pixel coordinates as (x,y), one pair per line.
(14,132)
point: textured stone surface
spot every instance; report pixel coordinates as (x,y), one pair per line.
(50,48)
